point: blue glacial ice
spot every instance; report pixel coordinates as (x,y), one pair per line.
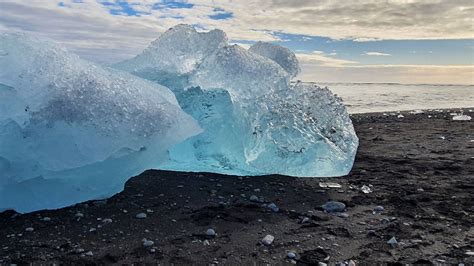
(71,130)
(255,120)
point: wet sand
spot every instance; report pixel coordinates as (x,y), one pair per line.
(420,170)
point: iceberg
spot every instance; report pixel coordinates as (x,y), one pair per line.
(255,120)
(72,131)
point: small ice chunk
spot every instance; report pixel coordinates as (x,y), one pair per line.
(462,118)
(147,243)
(268,240)
(329,185)
(366,189)
(272,206)
(141,215)
(392,242)
(291,255)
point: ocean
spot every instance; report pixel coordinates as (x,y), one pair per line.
(388,97)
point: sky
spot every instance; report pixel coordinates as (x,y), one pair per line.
(391,41)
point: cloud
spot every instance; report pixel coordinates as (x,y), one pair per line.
(377,54)
(113,32)
(407,74)
(321,59)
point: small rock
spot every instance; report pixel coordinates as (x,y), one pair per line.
(107,220)
(378,209)
(392,242)
(79,215)
(211,232)
(89,253)
(291,255)
(342,215)
(79,250)
(29,229)
(334,206)
(268,240)
(141,215)
(254,198)
(272,206)
(305,220)
(147,243)
(46,219)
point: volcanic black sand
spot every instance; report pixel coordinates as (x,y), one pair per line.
(420,170)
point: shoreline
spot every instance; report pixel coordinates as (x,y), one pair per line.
(418,169)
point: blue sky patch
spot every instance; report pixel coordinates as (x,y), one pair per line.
(172,5)
(399,52)
(220,14)
(123,8)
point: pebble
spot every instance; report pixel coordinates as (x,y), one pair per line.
(79,215)
(147,243)
(342,215)
(291,255)
(254,198)
(107,220)
(305,220)
(141,215)
(79,250)
(268,240)
(46,219)
(29,229)
(378,209)
(89,253)
(392,242)
(210,232)
(272,206)
(334,206)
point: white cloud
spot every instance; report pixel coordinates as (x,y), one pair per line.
(377,54)
(91,31)
(408,74)
(321,59)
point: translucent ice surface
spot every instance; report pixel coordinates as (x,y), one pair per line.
(255,121)
(72,131)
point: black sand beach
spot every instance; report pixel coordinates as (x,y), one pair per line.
(420,170)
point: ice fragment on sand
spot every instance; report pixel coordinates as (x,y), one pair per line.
(462,118)
(268,240)
(71,130)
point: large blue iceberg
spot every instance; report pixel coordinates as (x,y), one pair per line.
(71,130)
(255,120)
